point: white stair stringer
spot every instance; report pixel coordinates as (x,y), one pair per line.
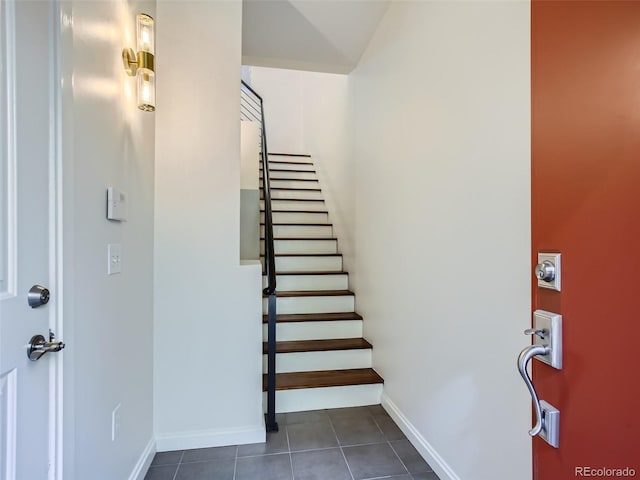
(313,302)
(309,282)
(289,331)
(295,205)
(329,360)
(304,399)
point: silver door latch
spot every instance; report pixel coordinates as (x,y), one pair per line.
(38,346)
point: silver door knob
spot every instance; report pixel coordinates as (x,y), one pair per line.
(38,296)
(38,346)
(546,271)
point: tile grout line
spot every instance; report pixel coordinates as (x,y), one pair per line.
(401,461)
(235,464)
(340,447)
(175,475)
(286,431)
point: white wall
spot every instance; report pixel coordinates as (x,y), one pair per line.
(108,320)
(442,237)
(308,112)
(208,310)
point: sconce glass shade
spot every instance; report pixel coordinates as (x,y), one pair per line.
(146,90)
(145,33)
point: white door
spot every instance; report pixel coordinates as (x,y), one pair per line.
(28,419)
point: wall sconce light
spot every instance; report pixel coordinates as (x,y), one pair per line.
(140,64)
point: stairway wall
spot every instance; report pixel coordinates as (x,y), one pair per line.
(208,335)
(308,112)
(442,272)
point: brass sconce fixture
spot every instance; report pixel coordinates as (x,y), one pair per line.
(140,64)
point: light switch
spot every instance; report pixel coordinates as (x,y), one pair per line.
(116,204)
(114,258)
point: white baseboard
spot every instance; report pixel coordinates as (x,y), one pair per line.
(143,463)
(442,469)
(210,438)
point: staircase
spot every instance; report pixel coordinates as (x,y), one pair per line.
(322,360)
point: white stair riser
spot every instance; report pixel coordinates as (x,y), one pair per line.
(288,158)
(300,231)
(303,246)
(310,361)
(324,304)
(304,399)
(275,194)
(294,205)
(309,264)
(338,281)
(275,174)
(290,331)
(297,217)
(286,166)
(294,184)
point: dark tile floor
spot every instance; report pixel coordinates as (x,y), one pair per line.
(340,444)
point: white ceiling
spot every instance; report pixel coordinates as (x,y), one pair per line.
(316,35)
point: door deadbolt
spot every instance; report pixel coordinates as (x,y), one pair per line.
(38,296)
(546,271)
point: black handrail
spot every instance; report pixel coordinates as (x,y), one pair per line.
(270,268)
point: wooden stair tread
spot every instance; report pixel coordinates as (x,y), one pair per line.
(303,224)
(291,170)
(325,212)
(295,346)
(285,162)
(324,378)
(291,154)
(307,255)
(312,293)
(289,188)
(313,317)
(312,272)
(295,199)
(302,238)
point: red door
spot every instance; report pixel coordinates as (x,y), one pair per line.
(586,205)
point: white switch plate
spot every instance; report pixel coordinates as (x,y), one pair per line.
(116,204)
(114,258)
(551,324)
(555,259)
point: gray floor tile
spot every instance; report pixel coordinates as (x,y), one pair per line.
(267,467)
(307,417)
(371,461)
(276,443)
(399,477)
(410,457)
(281,418)
(425,476)
(204,454)
(320,465)
(308,436)
(357,430)
(350,412)
(167,458)
(377,410)
(389,428)
(165,472)
(221,469)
